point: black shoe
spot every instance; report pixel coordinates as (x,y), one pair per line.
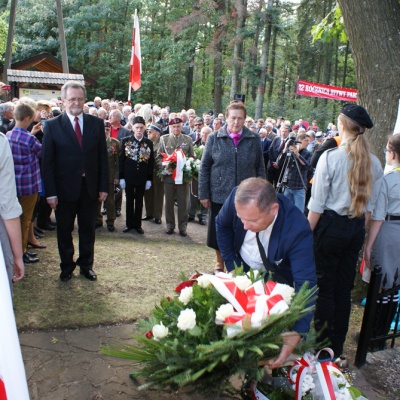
(183,233)
(98,225)
(126,230)
(157,221)
(169,231)
(118,213)
(147,218)
(47,227)
(190,219)
(111,228)
(29,260)
(65,277)
(31,254)
(140,230)
(89,275)
(202,222)
(38,231)
(104,212)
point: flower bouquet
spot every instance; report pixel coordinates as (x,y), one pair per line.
(192,168)
(176,166)
(213,328)
(306,379)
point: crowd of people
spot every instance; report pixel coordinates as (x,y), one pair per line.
(279,196)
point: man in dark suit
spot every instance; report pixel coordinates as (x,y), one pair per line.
(264,231)
(265,144)
(75,169)
(275,149)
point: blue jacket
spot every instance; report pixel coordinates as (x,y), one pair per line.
(290,246)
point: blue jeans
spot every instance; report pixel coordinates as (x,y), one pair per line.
(297,196)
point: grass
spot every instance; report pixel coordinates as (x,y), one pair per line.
(132,277)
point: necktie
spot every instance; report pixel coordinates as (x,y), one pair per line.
(282,144)
(78,132)
(197,136)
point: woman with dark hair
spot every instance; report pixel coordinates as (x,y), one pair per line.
(346,185)
(232,154)
(381,246)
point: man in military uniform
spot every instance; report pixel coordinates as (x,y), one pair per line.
(154,197)
(168,144)
(136,172)
(113,147)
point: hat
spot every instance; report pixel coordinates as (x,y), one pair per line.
(107,124)
(319,135)
(90,104)
(295,126)
(357,114)
(154,128)
(138,120)
(174,121)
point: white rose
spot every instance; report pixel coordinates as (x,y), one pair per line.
(203,281)
(186,319)
(186,295)
(286,291)
(242,282)
(224,311)
(159,331)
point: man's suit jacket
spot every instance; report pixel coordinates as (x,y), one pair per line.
(63,160)
(290,246)
(275,149)
(265,144)
(123,133)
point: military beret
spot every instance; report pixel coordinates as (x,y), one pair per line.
(174,121)
(296,126)
(138,120)
(357,114)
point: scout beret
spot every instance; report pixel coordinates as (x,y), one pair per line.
(358,114)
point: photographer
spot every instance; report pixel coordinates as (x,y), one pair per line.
(294,176)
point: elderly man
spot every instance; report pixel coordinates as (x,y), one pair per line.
(117,130)
(263,231)
(275,149)
(217,124)
(75,169)
(7,117)
(154,197)
(97,102)
(136,162)
(176,185)
(198,124)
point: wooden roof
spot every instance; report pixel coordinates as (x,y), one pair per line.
(14,75)
(48,66)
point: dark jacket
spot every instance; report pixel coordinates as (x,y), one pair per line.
(290,247)
(223,166)
(136,160)
(63,160)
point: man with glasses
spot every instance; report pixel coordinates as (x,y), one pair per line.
(75,172)
(248,122)
(195,135)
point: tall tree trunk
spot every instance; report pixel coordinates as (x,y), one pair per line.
(272,63)
(264,61)
(10,37)
(218,45)
(189,83)
(376,54)
(346,57)
(254,53)
(241,10)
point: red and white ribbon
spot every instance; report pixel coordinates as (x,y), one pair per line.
(180,163)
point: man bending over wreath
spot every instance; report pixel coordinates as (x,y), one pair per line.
(262,230)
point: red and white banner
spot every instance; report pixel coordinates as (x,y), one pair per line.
(136,60)
(13,385)
(313,89)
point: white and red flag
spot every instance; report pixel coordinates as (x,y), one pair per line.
(13,385)
(136,60)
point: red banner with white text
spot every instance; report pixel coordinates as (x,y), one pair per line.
(313,89)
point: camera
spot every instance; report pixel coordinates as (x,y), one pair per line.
(293,142)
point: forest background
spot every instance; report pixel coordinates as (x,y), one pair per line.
(198,53)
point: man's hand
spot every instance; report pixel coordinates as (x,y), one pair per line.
(116,181)
(290,341)
(53,203)
(36,128)
(275,165)
(122,183)
(19,269)
(102,196)
(206,203)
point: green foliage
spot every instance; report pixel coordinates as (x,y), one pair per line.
(331,27)
(205,357)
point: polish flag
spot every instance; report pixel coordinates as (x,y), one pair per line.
(136,61)
(13,385)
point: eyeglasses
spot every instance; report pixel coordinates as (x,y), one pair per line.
(76,100)
(385,150)
(198,124)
